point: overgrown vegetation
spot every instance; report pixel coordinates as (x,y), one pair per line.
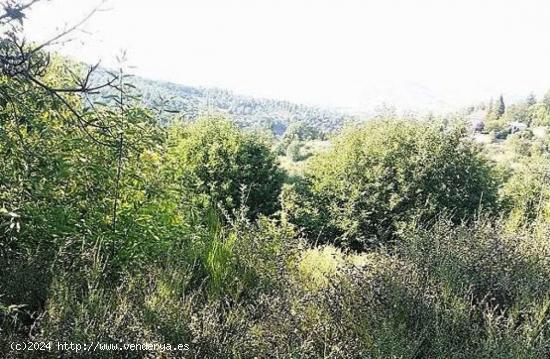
(385,173)
(400,238)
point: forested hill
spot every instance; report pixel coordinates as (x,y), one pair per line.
(248,112)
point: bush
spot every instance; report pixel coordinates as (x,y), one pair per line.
(527,193)
(206,292)
(213,163)
(251,289)
(487,285)
(387,172)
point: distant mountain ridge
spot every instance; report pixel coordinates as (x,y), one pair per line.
(248,112)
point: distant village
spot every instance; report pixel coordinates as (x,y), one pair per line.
(481,132)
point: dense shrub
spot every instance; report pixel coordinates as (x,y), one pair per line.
(526,193)
(204,292)
(213,163)
(387,172)
(494,279)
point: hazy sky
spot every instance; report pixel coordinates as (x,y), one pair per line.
(332,52)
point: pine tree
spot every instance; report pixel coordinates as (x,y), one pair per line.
(531,99)
(500,107)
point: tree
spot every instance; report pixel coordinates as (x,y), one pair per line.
(500,107)
(518,112)
(27,63)
(531,99)
(546,100)
(385,173)
(293,150)
(213,163)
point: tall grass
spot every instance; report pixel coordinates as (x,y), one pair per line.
(245,289)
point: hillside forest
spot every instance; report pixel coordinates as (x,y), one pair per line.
(134,211)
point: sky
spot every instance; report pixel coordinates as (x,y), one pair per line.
(337,53)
